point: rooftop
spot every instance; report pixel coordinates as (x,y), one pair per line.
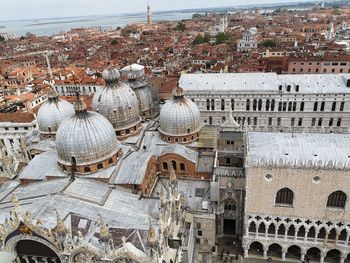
(265,82)
(299,150)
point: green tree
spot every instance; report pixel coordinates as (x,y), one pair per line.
(180,26)
(207,38)
(2,38)
(336,12)
(268,43)
(114,42)
(223,38)
(199,39)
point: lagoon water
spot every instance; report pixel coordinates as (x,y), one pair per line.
(47,27)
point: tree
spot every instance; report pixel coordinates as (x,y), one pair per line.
(268,43)
(336,12)
(198,40)
(223,38)
(2,38)
(207,38)
(114,42)
(180,26)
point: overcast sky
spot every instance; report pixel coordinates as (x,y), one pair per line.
(23,9)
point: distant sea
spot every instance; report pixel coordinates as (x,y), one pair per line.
(51,26)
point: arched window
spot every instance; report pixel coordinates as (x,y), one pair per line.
(173,163)
(165,166)
(284,196)
(87,170)
(248,105)
(230,205)
(337,199)
(182,166)
(99,166)
(110,161)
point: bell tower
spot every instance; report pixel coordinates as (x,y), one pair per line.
(149,15)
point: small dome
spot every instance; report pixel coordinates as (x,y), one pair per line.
(148,98)
(52,113)
(118,103)
(111,75)
(180,117)
(88,137)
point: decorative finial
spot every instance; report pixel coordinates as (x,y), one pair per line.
(60,226)
(173,178)
(111,75)
(152,236)
(178,93)
(79,105)
(52,95)
(15,202)
(104,231)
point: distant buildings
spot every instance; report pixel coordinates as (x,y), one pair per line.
(248,41)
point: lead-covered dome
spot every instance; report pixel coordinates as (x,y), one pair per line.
(52,113)
(146,94)
(118,103)
(86,140)
(180,119)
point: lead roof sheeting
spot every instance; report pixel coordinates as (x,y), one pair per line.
(188,189)
(123,212)
(133,168)
(38,189)
(299,147)
(43,145)
(37,168)
(124,200)
(264,82)
(7,187)
(88,190)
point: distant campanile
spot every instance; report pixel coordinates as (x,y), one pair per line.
(149,15)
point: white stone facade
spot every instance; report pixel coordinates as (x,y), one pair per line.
(70,90)
(271,102)
(310,227)
(247,43)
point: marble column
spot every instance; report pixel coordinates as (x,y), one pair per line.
(265,252)
(246,253)
(284,255)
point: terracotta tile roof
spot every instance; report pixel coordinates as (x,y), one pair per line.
(17,117)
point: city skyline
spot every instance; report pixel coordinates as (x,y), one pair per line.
(38,9)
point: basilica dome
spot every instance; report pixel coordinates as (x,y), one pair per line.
(87,141)
(52,113)
(118,103)
(147,96)
(180,119)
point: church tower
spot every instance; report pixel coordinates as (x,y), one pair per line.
(149,15)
